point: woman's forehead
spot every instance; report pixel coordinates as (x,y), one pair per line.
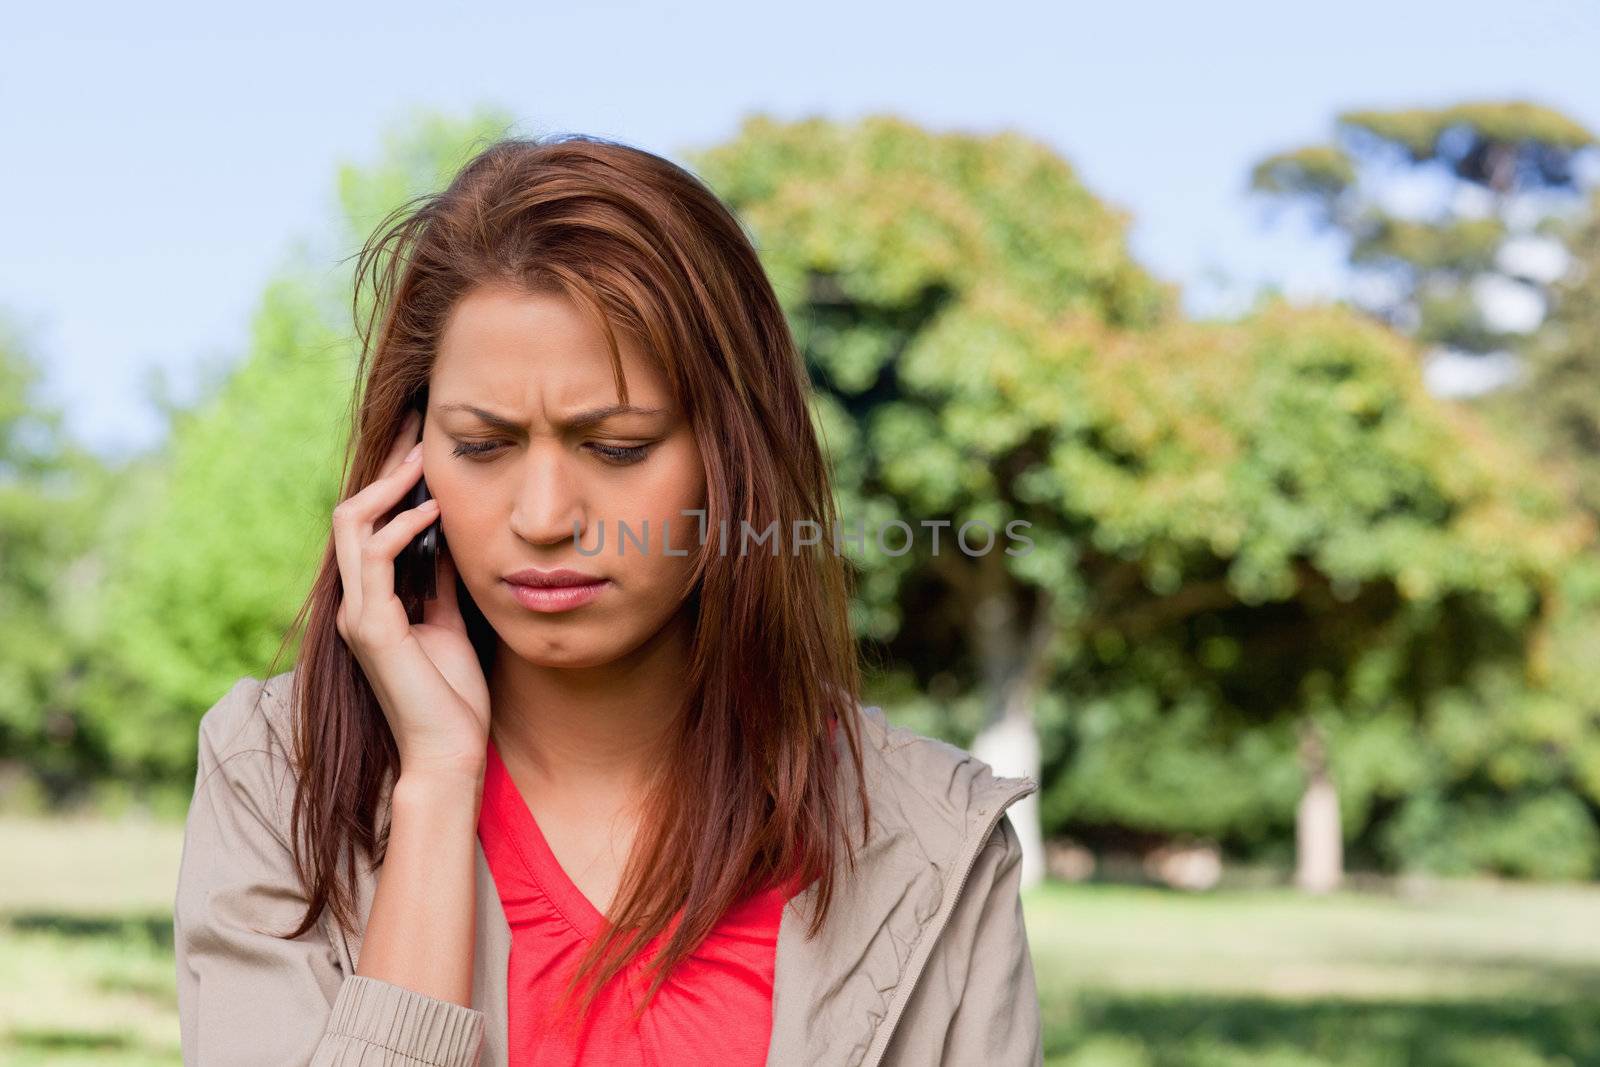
(522,349)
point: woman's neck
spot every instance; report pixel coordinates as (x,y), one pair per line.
(589,735)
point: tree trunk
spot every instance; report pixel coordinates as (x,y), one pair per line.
(1014,663)
(1319,841)
(1011,746)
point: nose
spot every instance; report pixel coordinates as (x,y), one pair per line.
(549,507)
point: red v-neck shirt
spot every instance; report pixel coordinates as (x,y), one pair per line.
(715,1008)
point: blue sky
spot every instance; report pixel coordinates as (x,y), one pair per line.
(165,157)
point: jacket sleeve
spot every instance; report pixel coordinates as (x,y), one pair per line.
(979,1000)
(246,996)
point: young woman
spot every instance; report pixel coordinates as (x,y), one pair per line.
(612,798)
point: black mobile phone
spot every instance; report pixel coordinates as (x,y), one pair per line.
(416,568)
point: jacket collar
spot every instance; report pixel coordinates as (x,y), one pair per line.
(836,997)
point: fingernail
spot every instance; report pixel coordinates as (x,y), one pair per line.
(416,450)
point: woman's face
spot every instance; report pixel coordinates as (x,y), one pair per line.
(520,451)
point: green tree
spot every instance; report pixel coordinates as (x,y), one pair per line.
(1556,404)
(921,274)
(1555,407)
(1357,576)
(1252,521)
(1452,216)
(52,494)
(204,582)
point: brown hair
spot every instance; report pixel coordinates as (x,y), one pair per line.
(750,796)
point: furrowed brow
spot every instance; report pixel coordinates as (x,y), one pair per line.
(580,421)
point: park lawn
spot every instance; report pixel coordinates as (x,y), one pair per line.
(1467,974)
(1462,974)
(86,973)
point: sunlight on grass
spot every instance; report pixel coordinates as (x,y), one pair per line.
(86,973)
(1468,974)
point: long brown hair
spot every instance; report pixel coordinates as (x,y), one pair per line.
(751,793)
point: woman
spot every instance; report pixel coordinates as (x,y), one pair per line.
(600,803)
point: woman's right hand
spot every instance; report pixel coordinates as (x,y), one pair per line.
(426,676)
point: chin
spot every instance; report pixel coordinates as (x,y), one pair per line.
(569,651)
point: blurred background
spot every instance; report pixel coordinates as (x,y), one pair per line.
(1281,327)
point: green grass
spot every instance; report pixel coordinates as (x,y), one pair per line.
(86,972)
(1464,975)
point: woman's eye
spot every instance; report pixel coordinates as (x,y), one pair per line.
(473,448)
(620,454)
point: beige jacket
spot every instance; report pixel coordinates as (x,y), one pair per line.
(924,959)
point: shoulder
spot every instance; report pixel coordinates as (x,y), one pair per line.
(243,750)
(921,777)
(252,715)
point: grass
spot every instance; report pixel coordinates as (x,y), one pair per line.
(86,972)
(1466,974)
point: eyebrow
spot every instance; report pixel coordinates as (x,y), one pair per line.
(582,420)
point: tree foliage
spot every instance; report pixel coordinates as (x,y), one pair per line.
(1452,271)
(53,497)
(201,588)
(1236,527)
(1235,524)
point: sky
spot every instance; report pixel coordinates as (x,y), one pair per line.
(165,158)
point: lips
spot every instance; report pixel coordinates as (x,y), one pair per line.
(555,591)
(559,578)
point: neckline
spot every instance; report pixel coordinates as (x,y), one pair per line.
(535,852)
(539,859)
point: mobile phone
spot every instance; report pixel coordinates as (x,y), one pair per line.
(416,567)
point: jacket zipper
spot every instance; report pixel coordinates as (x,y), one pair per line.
(909,982)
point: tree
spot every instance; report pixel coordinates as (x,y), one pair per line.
(52,493)
(202,585)
(1238,525)
(1452,216)
(1556,405)
(908,262)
